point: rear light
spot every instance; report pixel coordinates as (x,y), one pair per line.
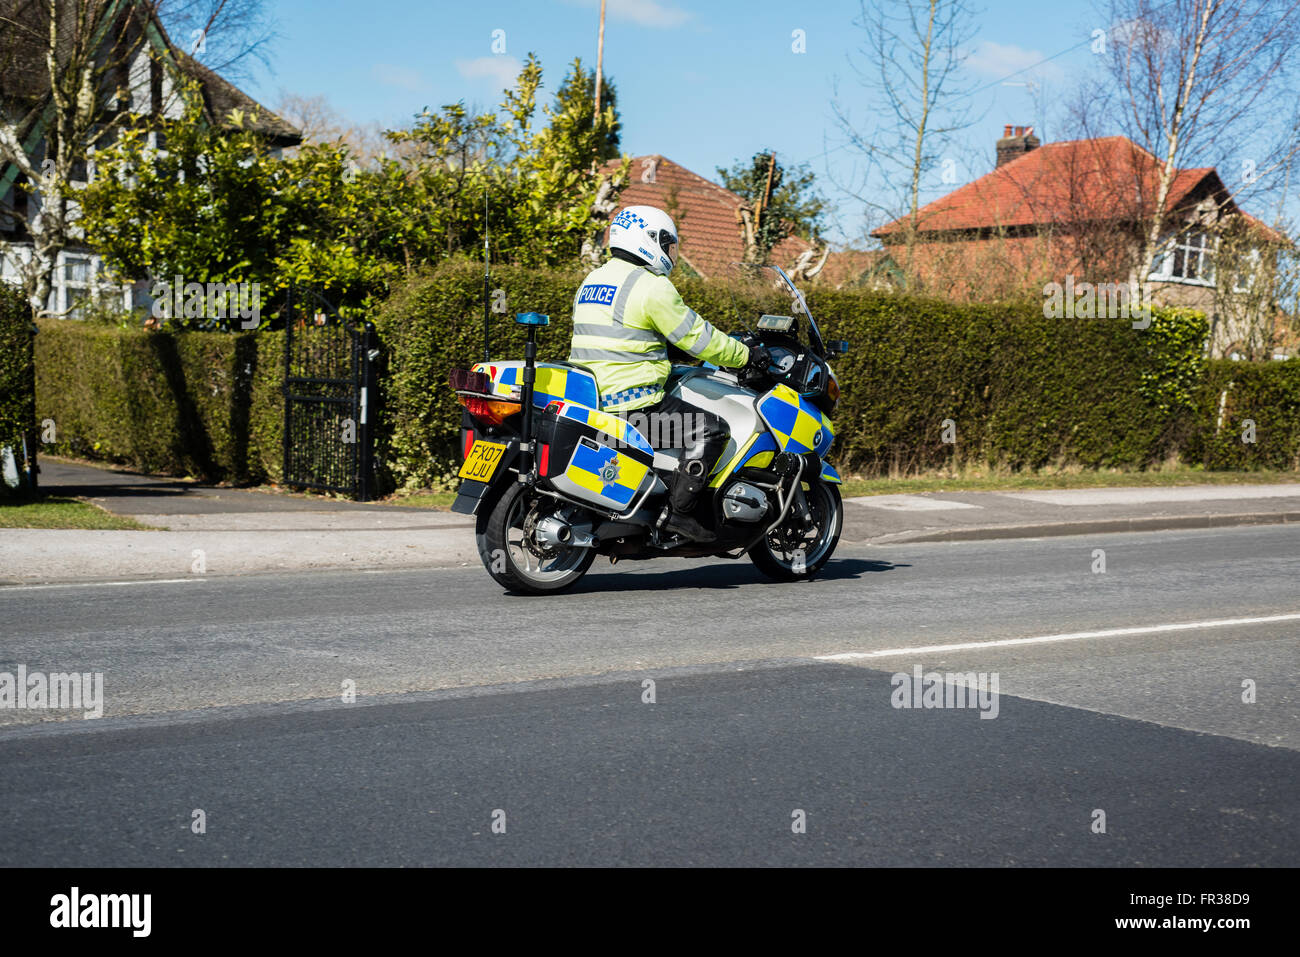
(469,444)
(489,411)
(462,380)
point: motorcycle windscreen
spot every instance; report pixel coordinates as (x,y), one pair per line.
(797,425)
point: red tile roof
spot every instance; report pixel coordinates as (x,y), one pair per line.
(705,213)
(1266,231)
(1075,181)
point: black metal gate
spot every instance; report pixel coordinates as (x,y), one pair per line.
(328,397)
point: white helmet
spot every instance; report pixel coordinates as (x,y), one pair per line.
(648,234)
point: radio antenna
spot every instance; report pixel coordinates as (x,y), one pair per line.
(487,270)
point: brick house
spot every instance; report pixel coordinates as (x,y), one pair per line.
(146,88)
(705,214)
(1077,209)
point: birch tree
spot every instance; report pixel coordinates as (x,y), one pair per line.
(910,64)
(1202,83)
(71,81)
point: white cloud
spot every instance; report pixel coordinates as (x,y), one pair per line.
(646,13)
(502,70)
(399,76)
(1002,59)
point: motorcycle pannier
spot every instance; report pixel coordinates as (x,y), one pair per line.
(592,456)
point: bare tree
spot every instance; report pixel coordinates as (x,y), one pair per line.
(74,72)
(1257,280)
(226,36)
(1198,83)
(319,122)
(66,67)
(910,62)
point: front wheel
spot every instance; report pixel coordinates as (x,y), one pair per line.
(512,555)
(798,548)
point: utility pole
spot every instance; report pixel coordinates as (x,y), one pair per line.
(600,57)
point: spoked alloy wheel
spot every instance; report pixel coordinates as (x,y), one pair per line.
(515,559)
(792,552)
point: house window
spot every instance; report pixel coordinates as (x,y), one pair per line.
(76,270)
(1186,257)
(1244,280)
(76,285)
(82,282)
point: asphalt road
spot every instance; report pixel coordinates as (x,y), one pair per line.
(224,694)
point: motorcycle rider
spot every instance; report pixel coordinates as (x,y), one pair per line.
(625,314)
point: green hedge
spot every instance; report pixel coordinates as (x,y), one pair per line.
(206,404)
(1248,416)
(1022,390)
(17,390)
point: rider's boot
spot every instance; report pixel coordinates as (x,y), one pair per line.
(684,487)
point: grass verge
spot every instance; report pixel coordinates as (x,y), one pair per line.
(56,512)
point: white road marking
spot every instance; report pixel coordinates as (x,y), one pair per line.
(1069,636)
(140,581)
(908,503)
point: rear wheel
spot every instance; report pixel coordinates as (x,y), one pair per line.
(796,550)
(514,557)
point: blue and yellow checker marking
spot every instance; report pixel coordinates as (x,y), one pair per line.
(797,425)
(760,453)
(551,383)
(608,423)
(757,451)
(613,476)
(830,475)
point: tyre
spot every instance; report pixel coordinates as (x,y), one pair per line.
(791,553)
(514,559)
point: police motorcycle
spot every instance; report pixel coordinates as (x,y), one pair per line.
(553,481)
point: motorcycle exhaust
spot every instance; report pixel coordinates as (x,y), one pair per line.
(553,532)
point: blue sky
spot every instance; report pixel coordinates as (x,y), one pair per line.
(702,83)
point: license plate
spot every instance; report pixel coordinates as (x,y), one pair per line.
(482,461)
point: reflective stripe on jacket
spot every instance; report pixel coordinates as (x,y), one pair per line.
(622,316)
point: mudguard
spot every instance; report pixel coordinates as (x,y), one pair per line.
(472,495)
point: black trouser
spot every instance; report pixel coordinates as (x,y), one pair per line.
(674,424)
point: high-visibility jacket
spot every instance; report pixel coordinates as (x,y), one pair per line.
(622,317)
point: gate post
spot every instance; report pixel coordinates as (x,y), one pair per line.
(365,450)
(286,420)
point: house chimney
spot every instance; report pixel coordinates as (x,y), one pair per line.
(1016,142)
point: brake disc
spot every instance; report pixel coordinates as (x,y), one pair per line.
(530,535)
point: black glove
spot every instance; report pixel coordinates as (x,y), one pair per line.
(759,357)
